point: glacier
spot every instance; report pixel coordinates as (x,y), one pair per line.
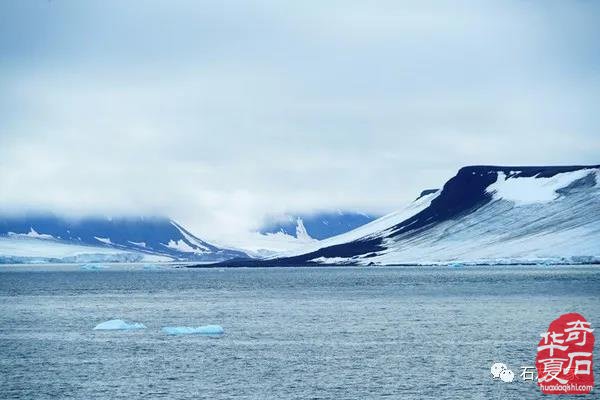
(119,325)
(17,249)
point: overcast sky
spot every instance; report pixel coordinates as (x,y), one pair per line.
(221,112)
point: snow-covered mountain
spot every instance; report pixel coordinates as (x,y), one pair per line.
(46,237)
(317,226)
(288,233)
(483,215)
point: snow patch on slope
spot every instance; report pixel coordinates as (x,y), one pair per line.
(103,240)
(180,245)
(529,190)
(301,232)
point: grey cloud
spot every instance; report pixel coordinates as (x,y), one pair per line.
(219,113)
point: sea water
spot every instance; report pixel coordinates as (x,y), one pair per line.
(290,333)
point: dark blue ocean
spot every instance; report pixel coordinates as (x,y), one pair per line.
(290,333)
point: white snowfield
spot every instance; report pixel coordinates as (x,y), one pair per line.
(529,220)
(27,249)
(534,190)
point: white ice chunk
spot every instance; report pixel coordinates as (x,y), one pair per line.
(208,330)
(119,325)
(94,267)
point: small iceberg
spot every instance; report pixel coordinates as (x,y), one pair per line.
(119,325)
(93,267)
(456,265)
(207,330)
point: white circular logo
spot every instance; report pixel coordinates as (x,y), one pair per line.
(497,369)
(507,376)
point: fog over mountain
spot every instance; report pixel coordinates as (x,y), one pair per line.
(218,114)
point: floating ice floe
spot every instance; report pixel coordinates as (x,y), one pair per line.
(94,267)
(207,330)
(119,325)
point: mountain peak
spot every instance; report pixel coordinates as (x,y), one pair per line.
(321,225)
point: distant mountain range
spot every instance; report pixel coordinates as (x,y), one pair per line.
(318,226)
(50,238)
(45,237)
(483,215)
